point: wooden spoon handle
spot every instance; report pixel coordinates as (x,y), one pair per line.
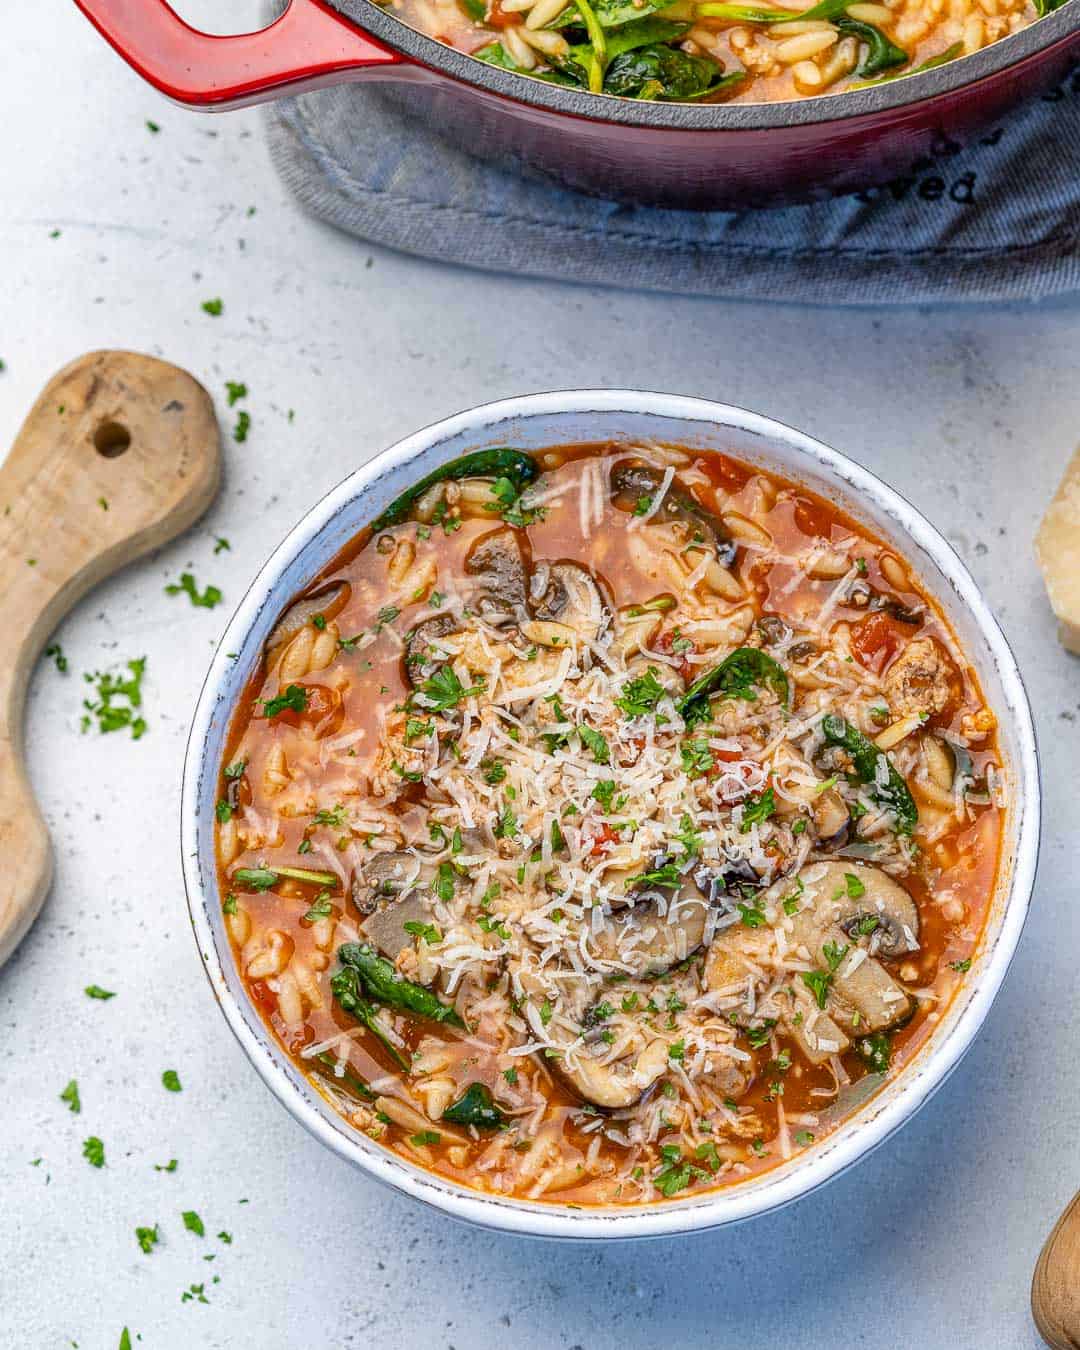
(1055,1289)
(120,453)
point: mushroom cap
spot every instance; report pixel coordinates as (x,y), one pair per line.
(879,896)
(571,597)
(497,563)
(616,1085)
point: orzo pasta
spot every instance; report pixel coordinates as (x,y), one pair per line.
(604,824)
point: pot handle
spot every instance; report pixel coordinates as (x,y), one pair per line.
(308,47)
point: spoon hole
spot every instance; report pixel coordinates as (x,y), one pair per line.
(111,439)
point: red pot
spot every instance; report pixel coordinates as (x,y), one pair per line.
(672,154)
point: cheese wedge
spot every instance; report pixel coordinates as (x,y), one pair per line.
(1057,547)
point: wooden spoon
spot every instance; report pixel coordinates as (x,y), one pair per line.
(1055,1290)
(120,453)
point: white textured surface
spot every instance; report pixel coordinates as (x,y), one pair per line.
(972,415)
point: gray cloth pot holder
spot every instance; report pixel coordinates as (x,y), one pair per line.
(997,218)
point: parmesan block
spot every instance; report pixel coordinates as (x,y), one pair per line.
(1057,546)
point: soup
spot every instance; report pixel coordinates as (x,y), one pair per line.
(605,825)
(711,50)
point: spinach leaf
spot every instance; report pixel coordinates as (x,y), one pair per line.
(345,987)
(382,983)
(518,467)
(348,1079)
(642,33)
(610,13)
(495,54)
(736,676)
(865,757)
(876,1050)
(881,54)
(943,58)
(825,9)
(475,1107)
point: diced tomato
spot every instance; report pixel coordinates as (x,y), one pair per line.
(323,710)
(875,640)
(604,839)
(666,643)
(497,17)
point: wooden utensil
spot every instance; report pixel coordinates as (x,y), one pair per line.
(1055,1290)
(120,453)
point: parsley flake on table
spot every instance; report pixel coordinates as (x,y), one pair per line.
(152,127)
(70,1095)
(215,308)
(207,599)
(111,714)
(96,991)
(56,652)
(243,426)
(170,1080)
(94,1151)
(170,1166)
(221,544)
(196,1293)
(235,390)
(147,1238)
(193,1223)
(125,1340)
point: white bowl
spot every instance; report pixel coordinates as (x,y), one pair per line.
(530,423)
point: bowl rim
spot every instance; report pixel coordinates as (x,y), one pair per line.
(1016,53)
(716,1208)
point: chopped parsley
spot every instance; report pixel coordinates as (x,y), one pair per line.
(444,690)
(207,599)
(193,1223)
(427,931)
(117,700)
(595,743)
(170,1080)
(961,967)
(295,699)
(96,991)
(604,793)
(243,426)
(147,1238)
(215,308)
(235,390)
(94,1151)
(818,982)
(758,809)
(70,1095)
(640,696)
(56,652)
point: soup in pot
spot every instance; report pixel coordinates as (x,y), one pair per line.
(713,51)
(606,823)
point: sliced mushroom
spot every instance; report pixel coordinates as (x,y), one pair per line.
(572,597)
(385,928)
(828,897)
(617,1085)
(382,876)
(633,482)
(649,942)
(498,565)
(862,995)
(831,817)
(420,656)
(814,1031)
(329,601)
